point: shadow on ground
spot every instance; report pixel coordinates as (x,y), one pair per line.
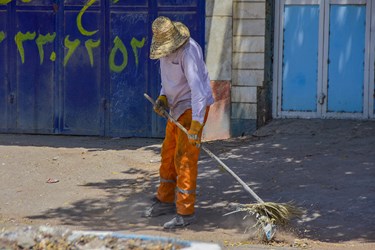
(88,142)
(326,167)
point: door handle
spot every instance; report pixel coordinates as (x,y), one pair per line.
(321,98)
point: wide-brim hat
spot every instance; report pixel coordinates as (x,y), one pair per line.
(167,37)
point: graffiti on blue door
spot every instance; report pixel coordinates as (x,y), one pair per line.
(81,66)
(2,36)
(41,40)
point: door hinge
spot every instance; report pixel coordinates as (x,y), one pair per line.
(321,98)
(55,8)
(11,98)
(104,104)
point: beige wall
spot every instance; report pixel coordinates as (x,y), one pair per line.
(219,39)
(219,63)
(235,33)
(248,56)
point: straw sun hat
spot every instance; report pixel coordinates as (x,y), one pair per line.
(167,37)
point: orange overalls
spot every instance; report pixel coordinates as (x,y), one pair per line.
(179,166)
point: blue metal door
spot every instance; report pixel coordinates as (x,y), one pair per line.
(4,72)
(82,75)
(346,58)
(81,67)
(33,83)
(131,72)
(300,58)
(128,66)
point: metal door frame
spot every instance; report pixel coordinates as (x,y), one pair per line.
(278,66)
(6,42)
(364,113)
(371,92)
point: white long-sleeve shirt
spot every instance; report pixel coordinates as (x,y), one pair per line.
(185,81)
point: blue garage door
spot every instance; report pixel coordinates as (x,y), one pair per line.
(80,67)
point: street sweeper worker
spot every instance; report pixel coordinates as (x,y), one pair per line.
(186,93)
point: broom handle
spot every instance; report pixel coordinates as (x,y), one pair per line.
(246,187)
(167,115)
(226,168)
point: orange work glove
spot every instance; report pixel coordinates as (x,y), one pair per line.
(160,105)
(195,128)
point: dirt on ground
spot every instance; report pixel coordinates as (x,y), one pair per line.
(104,184)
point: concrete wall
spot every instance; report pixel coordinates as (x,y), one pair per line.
(235,37)
(219,62)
